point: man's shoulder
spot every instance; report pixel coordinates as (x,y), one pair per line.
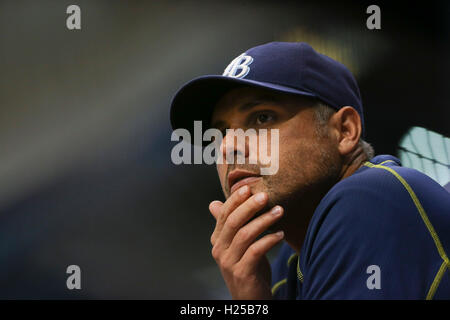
(384,179)
(363,188)
(383,215)
(382,195)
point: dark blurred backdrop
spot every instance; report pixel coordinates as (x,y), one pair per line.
(85,170)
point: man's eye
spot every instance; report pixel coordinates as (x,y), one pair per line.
(263,118)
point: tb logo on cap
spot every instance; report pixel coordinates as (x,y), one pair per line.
(239,64)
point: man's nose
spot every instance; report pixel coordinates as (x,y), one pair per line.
(232,147)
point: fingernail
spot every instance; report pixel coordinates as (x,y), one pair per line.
(280,234)
(213,202)
(243,190)
(276,211)
(260,197)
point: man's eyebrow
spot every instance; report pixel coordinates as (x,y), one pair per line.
(246,106)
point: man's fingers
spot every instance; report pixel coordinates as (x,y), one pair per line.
(214,208)
(240,216)
(248,234)
(229,206)
(233,202)
(257,250)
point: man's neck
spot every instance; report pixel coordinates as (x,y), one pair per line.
(356,161)
(296,232)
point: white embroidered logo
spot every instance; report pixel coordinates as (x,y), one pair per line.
(240,64)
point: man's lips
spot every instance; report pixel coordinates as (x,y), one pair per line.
(239,178)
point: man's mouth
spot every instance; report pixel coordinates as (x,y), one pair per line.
(238,178)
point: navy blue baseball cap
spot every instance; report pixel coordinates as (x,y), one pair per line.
(289,67)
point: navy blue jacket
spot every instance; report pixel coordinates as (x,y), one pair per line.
(382,233)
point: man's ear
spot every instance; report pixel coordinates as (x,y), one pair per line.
(346,123)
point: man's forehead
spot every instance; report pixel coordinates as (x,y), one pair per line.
(244,94)
(241,96)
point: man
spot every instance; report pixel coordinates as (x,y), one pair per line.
(353,226)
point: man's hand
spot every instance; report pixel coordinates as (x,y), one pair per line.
(242,260)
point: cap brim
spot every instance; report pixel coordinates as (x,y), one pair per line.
(195,101)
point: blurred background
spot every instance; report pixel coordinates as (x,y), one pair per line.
(85,171)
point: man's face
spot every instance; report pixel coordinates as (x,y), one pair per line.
(308,159)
